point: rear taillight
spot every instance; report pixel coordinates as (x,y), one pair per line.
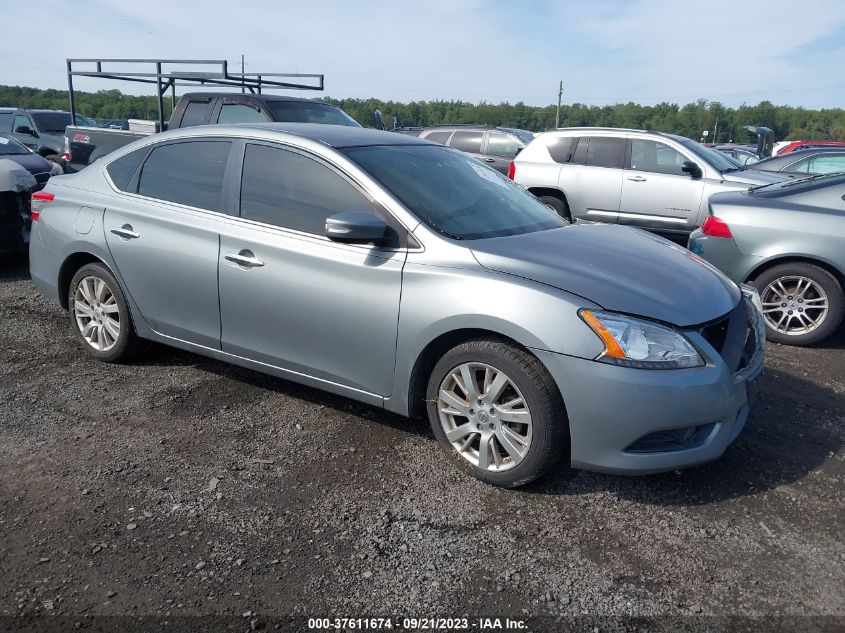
(714,227)
(40,199)
(67,150)
(512,170)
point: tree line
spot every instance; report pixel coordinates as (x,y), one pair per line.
(722,123)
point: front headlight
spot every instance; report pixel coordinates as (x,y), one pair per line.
(632,342)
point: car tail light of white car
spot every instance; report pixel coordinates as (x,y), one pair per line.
(40,199)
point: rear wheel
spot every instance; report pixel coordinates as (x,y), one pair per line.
(802,303)
(55,158)
(497,413)
(99,315)
(560,207)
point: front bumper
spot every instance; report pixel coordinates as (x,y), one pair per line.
(640,421)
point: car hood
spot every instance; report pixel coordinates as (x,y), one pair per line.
(753,176)
(33,163)
(619,268)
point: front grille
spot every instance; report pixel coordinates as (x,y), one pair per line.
(715,333)
(672,440)
(42,178)
(728,335)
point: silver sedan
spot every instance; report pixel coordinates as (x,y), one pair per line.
(409,276)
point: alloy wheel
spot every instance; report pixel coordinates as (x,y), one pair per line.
(794,305)
(485,417)
(97,315)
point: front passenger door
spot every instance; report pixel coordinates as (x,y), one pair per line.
(656,193)
(292,298)
(501,149)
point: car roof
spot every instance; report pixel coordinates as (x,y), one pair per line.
(263,97)
(336,136)
(618,130)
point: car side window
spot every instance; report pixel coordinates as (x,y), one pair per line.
(5,121)
(561,148)
(827,163)
(579,156)
(290,190)
(802,165)
(20,121)
(503,145)
(465,141)
(188,172)
(438,137)
(606,151)
(121,170)
(240,113)
(656,157)
(197,113)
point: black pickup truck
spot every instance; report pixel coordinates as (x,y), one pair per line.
(84,145)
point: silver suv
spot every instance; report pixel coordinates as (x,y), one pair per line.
(652,180)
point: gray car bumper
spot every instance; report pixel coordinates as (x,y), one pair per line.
(638,421)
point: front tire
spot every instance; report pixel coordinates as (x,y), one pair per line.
(99,315)
(802,303)
(496,412)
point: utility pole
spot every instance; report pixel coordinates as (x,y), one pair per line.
(243,89)
(557,115)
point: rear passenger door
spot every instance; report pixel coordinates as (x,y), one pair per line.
(500,150)
(468,142)
(592,180)
(162,231)
(292,298)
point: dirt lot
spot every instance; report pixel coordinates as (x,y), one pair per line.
(180,486)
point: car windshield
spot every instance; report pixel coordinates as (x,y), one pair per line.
(455,195)
(51,121)
(309,112)
(10,147)
(790,186)
(716,159)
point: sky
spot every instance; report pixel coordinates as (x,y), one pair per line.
(604,51)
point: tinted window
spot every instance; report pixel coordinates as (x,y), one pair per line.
(438,137)
(292,191)
(467,141)
(51,121)
(188,173)
(656,157)
(122,169)
(501,144)
(827,163)
(20,121)
(802,166)
(561,148)
(197,113)
(239,113)
(309,112)
(579,154)
(5,121)
(606,152)
(454,194)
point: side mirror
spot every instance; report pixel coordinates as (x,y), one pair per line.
(23,129)
(691,168)
(356,227)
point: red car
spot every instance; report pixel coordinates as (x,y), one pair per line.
(791,146)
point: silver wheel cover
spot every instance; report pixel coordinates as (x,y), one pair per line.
(794,305)
(96,312)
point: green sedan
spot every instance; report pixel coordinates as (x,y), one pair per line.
(788,240)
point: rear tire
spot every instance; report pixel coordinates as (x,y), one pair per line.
(509,426)
(560,207)
(99,315)
(55,158)
(802,303)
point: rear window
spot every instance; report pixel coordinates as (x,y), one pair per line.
(51,121)
(121,170)
(188,173)
(561,148)
(467,141)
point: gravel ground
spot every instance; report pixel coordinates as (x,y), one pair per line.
(180,486)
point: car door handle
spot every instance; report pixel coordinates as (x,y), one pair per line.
(636,179)
(244,258)
(125,232)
